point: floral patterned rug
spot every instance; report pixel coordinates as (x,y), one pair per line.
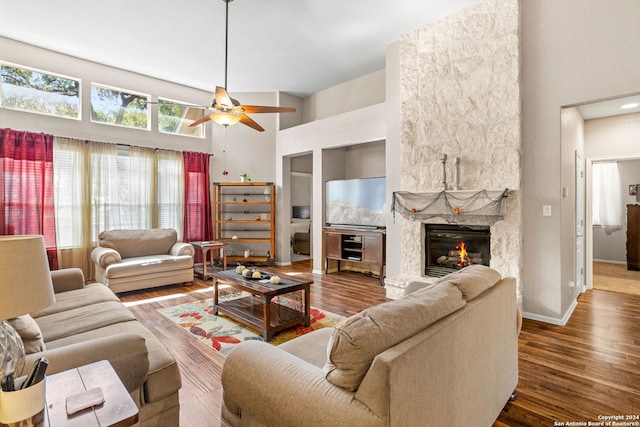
(222,333)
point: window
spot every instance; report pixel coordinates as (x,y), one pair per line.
(122,179)
(35,91)
(170,190)
(100,186)
(175,118)
(606,195)
(114,106)
(68,181)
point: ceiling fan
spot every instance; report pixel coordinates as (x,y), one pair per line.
(228,111)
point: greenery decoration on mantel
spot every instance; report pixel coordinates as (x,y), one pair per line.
(456,207)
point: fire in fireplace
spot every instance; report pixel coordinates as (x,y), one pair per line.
(450,248)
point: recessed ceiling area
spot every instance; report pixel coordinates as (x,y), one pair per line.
(294,46)
(610,107)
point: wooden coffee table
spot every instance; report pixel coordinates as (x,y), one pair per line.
(257,309)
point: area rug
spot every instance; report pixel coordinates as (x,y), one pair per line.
(222,334)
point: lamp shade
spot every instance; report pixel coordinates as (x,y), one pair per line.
(25,282)
(226,118)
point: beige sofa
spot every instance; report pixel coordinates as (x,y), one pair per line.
(445,355)
(89,323)
(127,260)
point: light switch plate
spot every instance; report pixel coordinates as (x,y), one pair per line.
(546,210)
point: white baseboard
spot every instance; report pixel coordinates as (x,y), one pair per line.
(606,261)
(283,264)
(552,320)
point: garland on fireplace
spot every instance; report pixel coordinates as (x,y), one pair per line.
(483,207)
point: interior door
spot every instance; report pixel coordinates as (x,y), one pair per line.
(579,280)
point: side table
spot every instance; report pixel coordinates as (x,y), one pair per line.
(118,409)
(205,247)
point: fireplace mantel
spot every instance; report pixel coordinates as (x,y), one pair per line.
(480,207)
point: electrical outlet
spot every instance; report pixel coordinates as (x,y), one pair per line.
(546,210)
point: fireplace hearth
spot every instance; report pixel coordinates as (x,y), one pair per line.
(449,248)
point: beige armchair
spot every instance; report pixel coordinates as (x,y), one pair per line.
(128,260)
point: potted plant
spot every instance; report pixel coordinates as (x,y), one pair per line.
(244,177)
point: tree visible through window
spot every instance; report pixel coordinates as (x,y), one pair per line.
(35,91)
(176,118)
(117,107)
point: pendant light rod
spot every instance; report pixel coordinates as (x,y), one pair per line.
(226,41)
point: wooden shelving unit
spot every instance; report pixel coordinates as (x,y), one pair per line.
(244,219)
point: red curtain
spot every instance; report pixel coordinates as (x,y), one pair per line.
(197,199)
(26,187)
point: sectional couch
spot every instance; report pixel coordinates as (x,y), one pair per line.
(89,323)
(445,355)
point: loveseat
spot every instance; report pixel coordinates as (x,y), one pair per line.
(444,355)
(127,260)
(89,323)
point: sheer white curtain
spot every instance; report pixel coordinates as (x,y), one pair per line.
(72,204)
(170,183)
(105,188)
(607,198)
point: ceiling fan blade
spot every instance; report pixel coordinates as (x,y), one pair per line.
(246,120)
(202,120)
(253,109)
(222,97)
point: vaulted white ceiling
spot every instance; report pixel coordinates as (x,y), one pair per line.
(294,46)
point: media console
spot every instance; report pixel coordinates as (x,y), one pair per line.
(355,245)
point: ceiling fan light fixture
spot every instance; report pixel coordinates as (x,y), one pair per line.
(226,118)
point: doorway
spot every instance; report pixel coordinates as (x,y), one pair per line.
(608,250)
(610,134)
(301,194)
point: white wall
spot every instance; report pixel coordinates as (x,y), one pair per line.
(572,51)
(352,95)
(290,119)
(613,137)
(300,190)
(365,160)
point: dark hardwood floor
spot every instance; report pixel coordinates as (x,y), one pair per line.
(579,372)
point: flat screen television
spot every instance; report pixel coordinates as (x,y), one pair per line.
(356,202)
(303,212)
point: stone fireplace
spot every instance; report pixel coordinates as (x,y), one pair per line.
(486,221)
(460,96)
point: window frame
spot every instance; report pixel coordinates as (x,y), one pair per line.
(128,92)
(44,72)
(187,106)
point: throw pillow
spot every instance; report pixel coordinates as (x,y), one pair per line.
(357,340)
(30,333)
(472,280)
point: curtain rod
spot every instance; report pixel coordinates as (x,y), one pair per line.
(116,143)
